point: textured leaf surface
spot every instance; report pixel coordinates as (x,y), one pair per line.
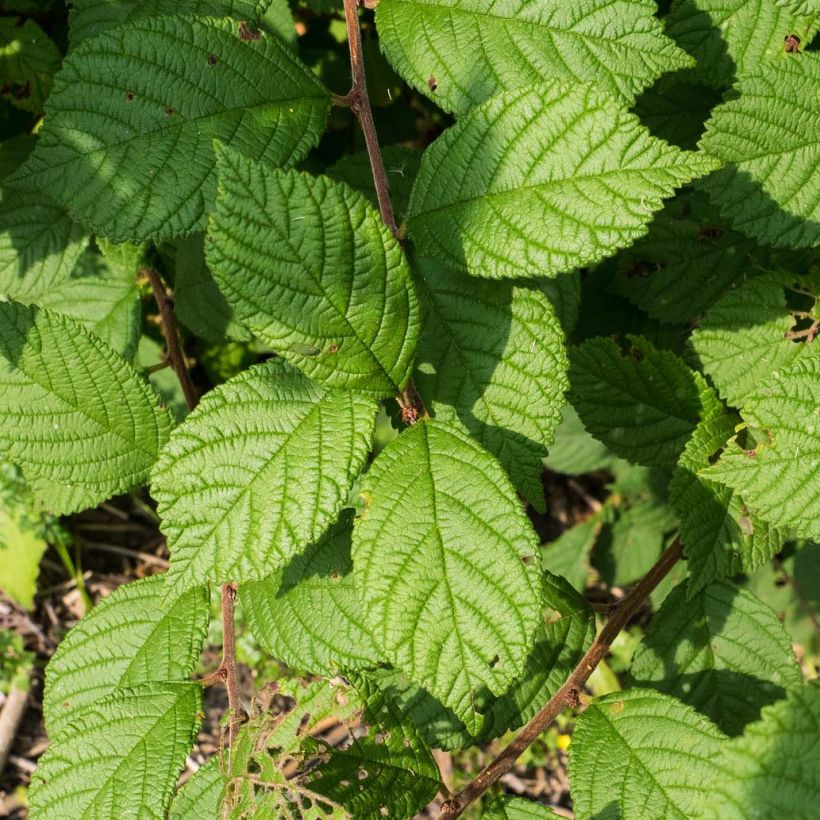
(491,358)
(507,807)
(803,8)
(257,472)
(308,614)
(28,60)
(127,141)
(642,403)
(120,757)
(310,268)
(475,49)
(75,416)
(684,263)
(89,18)
(130,637)
(201,795)
(575,451)
(542,180)
(742,339)
(730,38)
(723,651)
(720,535)
(639,753)
(775,766)
(443,530)
(568,556)
(780,478)
(770,186)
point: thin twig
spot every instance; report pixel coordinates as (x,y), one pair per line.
(145,557)
(360,105)
(10,718)
(569,693)
(229,659)
(174,353)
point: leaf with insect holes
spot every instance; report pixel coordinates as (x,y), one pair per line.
(720,535)
(259,470)
(130,637)
(129,127)
(766,135)
(462,52)
(722,651)
(441,530)
(743,337)
(542,180)
(76,417)
(121,756)
(310,268)
(641,402)
(88,18)
(491,359)
(775,765)
(730,38)
(780,477)
(640,753)
(308,614)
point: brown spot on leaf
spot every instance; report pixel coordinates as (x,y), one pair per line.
(709,233)
(791,44)
(432,83)
(169,110)
(129,95)
(333,349)
(247,33)
(212,59)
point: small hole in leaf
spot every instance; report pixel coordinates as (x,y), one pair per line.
(212,59)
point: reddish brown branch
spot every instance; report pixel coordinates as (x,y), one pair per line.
(568,694)
(173,350)
(228,664)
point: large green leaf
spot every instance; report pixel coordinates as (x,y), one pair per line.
(641,402)
(685,262)
(129,638)
(720,535)
(770,186)
(559,176)
(28,60)
(780,477)
(723,651)
(491,358)
(120,757)
(640,753)
(76,416)
(774,768)
(308,265)
(308,614)
(88,18)
(257,472)
(742,339)
(461,52)
(127,140)
(730,38)
(441,531)
(201,795)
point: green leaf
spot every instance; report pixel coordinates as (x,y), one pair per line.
(120,757)
(151,362)
(401,165)
(88,18)
(730,38)
(127,140)
(642,754)
(775,766)
(685,262)
(780,477)
(568,555)
(642,403)
(201,795)
(308,614)
(723,651)
(505,807)
(491,360)
(575,451)
(391,760)
(257,472)
(310,268)
(198,303)
(28,60)
(462,52)
(720,535)
(278,19)
(76,416)
(559,176)
(769,188)
(131,637)
(443,529)
(802,8)
(742,339)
